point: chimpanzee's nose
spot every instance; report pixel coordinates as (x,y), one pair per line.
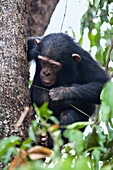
(47,74)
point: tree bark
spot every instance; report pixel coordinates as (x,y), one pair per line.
(40,12)
(14,92)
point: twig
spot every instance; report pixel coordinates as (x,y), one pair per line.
(94,18)
(109,54)
(40,87)
(70,104)
(64,16)
(80,110)
(22,117)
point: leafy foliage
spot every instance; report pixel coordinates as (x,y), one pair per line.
(83,151)
(91,150)
(99,21)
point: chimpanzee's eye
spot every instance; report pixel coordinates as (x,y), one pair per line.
(42,62)
(53,66)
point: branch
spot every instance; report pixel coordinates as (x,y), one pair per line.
(94,18)
(64,16)
(109,54)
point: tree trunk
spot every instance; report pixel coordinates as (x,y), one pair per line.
(40,12)
(14,92)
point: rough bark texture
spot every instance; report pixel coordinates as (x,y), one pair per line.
(40,12)
(14,92)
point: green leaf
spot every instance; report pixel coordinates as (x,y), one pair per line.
(35,125)
(32,134)
(78,125)
(91,38)
(101,136)
(107,95)
(111,21)
(6,157)
(74,36)
(110,1)
(96,3)
(102,3)
(58,142)
(110,131)
(81,40)
(45,112)
(106,167)
(7,143)
(26,144)
(30,82)
(104,112)
(54,119)
(91,140)
(64,165)
(104,16)
(75,136)
(105,54)
(96,157)
(82,164)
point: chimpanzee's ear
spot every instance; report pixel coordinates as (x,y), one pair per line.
(37,41)
(76,58)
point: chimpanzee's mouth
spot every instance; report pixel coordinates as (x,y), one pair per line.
(48,82)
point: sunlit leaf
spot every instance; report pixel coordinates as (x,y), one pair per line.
(7,143)
(32,134)
(7,155)
(107,95)
(106,167)
(26,144)
(101,137)
(104,112)
(96,157)
(54,119)
(111,21)
(102,3)
(35,125)
(78,125)
(82,164)
(75,136)
(44,111)
(96,3)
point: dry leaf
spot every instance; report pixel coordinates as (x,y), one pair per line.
(36,156)
(20,159)
(40,150)
(35,153)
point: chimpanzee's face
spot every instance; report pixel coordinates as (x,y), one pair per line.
(49,70)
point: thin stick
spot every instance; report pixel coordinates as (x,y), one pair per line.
(70,104)
(40,87)
(64,16)
(22,117)
(109,54)
(80,111)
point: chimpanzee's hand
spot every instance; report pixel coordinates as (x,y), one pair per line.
(58,94)
(46,141)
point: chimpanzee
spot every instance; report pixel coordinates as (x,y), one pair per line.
(70,74)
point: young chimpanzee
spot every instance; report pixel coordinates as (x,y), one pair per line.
(70,74)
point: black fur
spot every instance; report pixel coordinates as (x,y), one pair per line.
(79,84)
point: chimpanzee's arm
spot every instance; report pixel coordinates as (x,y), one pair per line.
(32,51)
(87,92)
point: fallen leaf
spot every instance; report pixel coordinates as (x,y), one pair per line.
(20,159)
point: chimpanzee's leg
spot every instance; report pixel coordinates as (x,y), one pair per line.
(65,118)
(69,116)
